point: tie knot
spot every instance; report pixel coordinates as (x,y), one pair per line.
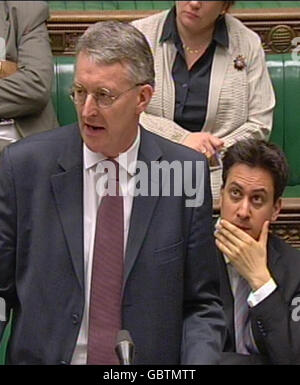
(112,168)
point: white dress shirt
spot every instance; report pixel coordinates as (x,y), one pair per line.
(255,297)
(8,132)
(92,199)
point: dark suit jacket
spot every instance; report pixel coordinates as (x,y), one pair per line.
(26,95)
(170,301)
(275,324)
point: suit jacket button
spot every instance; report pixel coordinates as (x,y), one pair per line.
(75,319)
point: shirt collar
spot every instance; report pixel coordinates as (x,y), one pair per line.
(226,259)
(127,160)
(170,31)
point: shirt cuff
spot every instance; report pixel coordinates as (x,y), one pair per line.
(255,297)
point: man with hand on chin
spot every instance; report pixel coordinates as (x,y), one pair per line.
(259,272)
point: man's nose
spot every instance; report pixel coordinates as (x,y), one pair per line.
(244,209)
(89,107)
(195,4)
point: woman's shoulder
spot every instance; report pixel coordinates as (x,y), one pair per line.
(238,31)
(151,24)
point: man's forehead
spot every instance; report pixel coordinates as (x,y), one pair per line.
(100,75)
(250,178)
(84,57)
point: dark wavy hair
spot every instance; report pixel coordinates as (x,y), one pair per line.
(258,153)
(229,4)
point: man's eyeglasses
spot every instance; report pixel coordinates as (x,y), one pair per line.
(103,96)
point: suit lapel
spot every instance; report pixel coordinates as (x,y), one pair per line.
(226,296)
(277,273)
(143,206)
(220,63)
(273,259)
(68,192)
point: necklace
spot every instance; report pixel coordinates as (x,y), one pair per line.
(191,50)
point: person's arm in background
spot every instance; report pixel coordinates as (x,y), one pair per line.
(174,132)
(28,89)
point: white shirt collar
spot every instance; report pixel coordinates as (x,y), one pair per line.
(226,259)
(126,160)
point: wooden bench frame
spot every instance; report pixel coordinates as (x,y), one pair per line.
(277,28)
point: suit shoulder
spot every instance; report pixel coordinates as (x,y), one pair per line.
(52,140)
(237,28)
(289,253)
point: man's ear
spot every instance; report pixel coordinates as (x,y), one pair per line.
(145,96)
(276,209)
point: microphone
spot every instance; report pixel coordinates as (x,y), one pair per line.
(125,348)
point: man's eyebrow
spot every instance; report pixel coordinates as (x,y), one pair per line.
(235,184)
(101,89)
(258,190)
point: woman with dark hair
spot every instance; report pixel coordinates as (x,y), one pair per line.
(212,83)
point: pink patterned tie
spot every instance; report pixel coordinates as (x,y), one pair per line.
(107,278)
(243,336)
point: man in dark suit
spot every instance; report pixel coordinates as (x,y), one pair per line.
(263,327)
(50,192)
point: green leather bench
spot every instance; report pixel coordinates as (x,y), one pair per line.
(285,74)
(152,5)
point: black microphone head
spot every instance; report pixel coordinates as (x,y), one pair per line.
(125,348)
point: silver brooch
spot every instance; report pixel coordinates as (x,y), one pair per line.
(240,63)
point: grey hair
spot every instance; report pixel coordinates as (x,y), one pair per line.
(112,42)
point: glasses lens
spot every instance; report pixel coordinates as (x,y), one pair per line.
(104,99)
(78,96)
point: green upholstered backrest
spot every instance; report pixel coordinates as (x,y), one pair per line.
(152,5)
(276,70)
(4,344)
(285,74)
(292,118)
(108,5)
(63,79)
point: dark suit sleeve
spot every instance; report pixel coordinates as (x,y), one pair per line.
(7,235)
(28,90)
(204,325)
(276,329)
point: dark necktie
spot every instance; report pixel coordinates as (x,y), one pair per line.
(107,278)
